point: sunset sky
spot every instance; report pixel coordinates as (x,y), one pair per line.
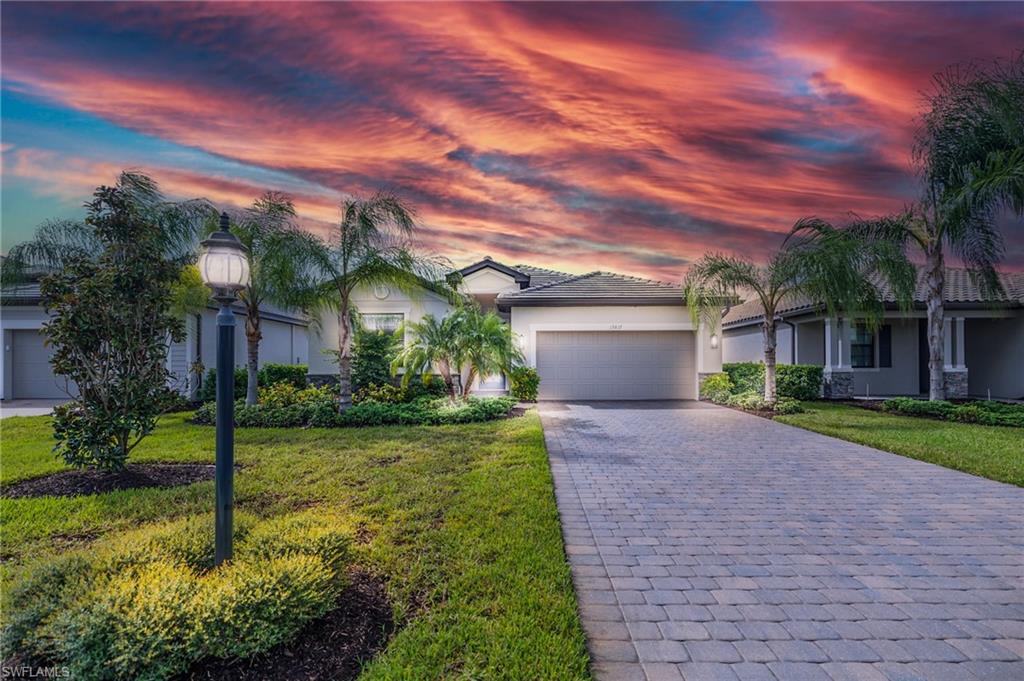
(580,136)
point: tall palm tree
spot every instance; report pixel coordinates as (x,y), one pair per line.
(970,151)
(372,245)
(281,261)
(818,262)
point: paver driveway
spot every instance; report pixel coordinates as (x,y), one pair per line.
(710,544)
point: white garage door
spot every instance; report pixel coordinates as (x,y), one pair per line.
(31,373)
(616,365)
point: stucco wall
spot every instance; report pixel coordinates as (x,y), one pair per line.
(487,281)
(902,378)
(810,343)
(994,350)
(282,343)
(746,344)
(367,301)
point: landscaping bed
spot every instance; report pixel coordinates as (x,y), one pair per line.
(332,648)
(91,481)
(456,522)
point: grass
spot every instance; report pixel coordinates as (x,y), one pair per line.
(460,520)
(993,452)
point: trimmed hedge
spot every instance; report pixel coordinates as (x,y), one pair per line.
(148,604)
(982,412)
(324,414)
(269,374)
(798,381)
(524,383)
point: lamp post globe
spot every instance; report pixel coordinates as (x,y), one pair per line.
(224,266)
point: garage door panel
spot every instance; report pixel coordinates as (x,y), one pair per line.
(616,365)
(31,373)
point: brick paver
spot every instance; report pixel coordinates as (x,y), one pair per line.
(710,544)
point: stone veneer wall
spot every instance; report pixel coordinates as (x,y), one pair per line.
(956,384)
(837,385)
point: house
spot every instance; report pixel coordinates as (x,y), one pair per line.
(26,373)
(984,339)
(594,336)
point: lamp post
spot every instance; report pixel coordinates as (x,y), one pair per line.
(224,267)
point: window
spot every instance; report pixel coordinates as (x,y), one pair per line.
(862,348)
(388,322)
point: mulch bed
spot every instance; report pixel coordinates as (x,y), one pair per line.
(89,481)
(334,647)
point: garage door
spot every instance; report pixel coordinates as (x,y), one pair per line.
(616,365)
(31,373)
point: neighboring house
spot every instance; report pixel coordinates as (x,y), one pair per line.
(984,338)
(26,371)
(595,336)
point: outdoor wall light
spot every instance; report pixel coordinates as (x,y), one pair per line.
(224,267)
(714,341)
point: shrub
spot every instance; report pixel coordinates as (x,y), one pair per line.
(524,383)
(716,388)
(276,374)
(372,354)
(982,412)
(208,390)
(745,376)
(120,610)
(396,394)
(268,375)
(754,401)
(799,381)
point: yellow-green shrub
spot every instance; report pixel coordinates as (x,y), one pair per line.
(148,603)
(252,606)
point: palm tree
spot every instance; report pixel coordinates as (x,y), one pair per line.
(433,345)
(487,344)
(372,245)
(466,344)
(281,260)
(970,150)
(58,242)
(817,261)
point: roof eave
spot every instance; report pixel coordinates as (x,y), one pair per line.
(578,301)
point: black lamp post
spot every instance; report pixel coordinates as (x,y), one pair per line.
(224,266)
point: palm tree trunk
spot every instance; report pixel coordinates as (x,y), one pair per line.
(768,329)
(468,387)
(253,337)
(936,278)
(344,357)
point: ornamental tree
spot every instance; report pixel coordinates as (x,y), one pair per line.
(112,317)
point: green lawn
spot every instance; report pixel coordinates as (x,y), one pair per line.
(994,452)
(460,520)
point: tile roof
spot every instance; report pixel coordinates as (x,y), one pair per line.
(539,275)
(960,289)
(603,287)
